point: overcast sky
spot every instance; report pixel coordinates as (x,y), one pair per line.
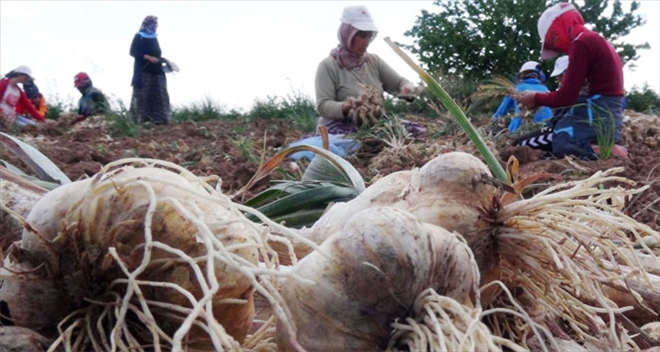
(230,51)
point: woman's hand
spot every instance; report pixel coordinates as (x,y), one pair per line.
(527,99)
(346,108)
(152,59)
(408,92)
(407,89)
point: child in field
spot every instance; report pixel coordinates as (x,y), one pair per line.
(530,78)
(596,116)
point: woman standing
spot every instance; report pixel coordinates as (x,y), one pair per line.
(150,101)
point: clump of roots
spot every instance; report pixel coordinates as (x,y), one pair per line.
(443,324)
(367,108)
(559,253)
(176,272)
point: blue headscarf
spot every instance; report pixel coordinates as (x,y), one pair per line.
(148,27)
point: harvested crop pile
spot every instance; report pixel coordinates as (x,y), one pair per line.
(144,253)
(444,257)
(548,264)
(642,129)
(367,108)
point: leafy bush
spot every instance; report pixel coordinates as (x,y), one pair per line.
(296,106)
(54,111)
(56,106)
(120,124)
(460,89)
(303,109)
(269,108)
(401,107)
(643,100)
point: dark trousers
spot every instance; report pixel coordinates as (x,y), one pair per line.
(541,139)
(595,119)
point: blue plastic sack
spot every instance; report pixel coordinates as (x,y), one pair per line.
(338,145)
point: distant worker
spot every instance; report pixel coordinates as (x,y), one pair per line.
(92,101)
(36,98)
(150,101)
(542,139)
(561,64)
(530,78)
(12,99)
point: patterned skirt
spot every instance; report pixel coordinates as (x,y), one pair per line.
(151,102)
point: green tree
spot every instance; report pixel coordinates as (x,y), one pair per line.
(643,99)
(476,39)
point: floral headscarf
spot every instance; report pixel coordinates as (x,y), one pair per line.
(342,53)
(148,27)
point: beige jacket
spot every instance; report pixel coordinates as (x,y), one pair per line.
(334,84)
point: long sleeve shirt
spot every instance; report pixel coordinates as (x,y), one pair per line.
(334,84)
(145,46)
(593,62)
(23,102)
(528,84)
(40,106)
(93,102)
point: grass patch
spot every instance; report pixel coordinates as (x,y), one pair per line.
(205,110)
(56,106)
(120,123)
(605,128)
(643,100)
(296,106)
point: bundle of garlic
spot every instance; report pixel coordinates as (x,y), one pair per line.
(369,274)
(143,254)
(454,191)
(367,108)
(147,254)
(558,250)
(543,262)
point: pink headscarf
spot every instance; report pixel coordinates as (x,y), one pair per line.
(342,53)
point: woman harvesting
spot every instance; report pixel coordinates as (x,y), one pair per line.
(12,97)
